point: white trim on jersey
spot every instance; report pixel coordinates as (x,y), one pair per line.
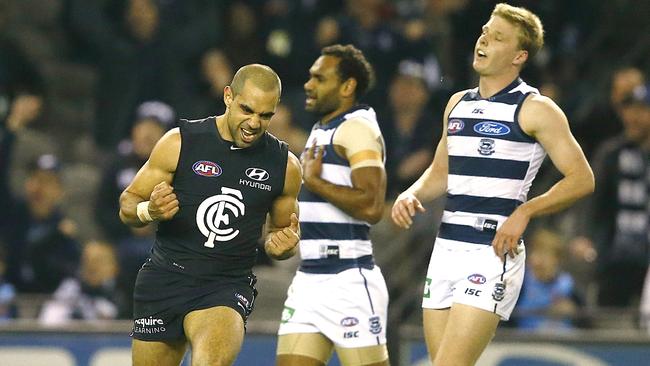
(468,218)
(325,212)
(467,146)
(337,174)
(322,137)
(484,186)
(348,249)
(489,110)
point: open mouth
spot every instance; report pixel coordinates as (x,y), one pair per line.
(247,136)
(481,54)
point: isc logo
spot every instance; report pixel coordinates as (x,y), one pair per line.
(472,291)
(354,334)
(207,168)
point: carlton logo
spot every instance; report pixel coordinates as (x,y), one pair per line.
(216,214)
(207,168)
(455,126)
(350,321)
(257,174)
(477,279)
(491,128)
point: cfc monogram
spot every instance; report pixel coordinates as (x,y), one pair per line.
(213,215)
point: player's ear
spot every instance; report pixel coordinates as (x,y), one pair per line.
(227,96)
(520,58)
(348,87)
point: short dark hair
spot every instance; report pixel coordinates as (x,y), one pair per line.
(352,64)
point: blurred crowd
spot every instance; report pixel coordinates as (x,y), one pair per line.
(88,87)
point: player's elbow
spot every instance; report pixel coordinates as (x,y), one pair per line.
(372,214)
(588,182)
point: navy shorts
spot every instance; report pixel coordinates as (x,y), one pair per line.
(162,298)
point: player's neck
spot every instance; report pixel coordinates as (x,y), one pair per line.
(345,105)
(489,85)
(222,128)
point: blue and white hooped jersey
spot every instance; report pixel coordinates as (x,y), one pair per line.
(492,163)
(331,240)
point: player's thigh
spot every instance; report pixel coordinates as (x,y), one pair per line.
(468,332)
(215,335)
(434,322)
(366,356)
(154,353)
(303,349)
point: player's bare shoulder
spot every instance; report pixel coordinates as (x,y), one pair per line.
(167,151)
(540,112)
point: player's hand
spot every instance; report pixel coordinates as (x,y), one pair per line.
(281,244)
(404,208)
(507,237)
(163,204)
(312,163)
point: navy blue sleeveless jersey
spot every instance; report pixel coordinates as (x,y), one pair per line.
(224,193)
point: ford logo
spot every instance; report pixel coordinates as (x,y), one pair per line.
(350,321)
(491,128)
(207,168)
(477,279)
(455,125)
(257,174)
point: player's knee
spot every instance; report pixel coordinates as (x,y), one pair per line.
(212,358)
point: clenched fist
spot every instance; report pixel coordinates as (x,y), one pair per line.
(281,244)
(163,204)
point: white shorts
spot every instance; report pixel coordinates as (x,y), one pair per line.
(348,307)
(473,275)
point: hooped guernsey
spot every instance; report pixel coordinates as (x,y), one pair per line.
(224,194)
(333,241)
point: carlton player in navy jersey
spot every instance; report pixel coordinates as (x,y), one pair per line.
(494,141)
(210,185)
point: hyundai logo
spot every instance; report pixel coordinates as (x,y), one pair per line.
(257,174)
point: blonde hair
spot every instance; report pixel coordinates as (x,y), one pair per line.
(531,35)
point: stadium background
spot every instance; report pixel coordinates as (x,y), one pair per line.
(91,65)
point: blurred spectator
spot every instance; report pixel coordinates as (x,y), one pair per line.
(152,120)
(41,250)
(547,297)
(243,40)
(216,73)
(91,295)
(410,128)
(604,120)
(284,128)
(619,216)
(366,24)
(143,49)
(8,308)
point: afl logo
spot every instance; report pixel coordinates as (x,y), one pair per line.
(491,128)
(477,279)
(350,321)
(207,168)
(257,174)
(213,215)
(455,126)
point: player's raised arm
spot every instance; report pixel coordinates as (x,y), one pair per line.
(150,196)
(284,228)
